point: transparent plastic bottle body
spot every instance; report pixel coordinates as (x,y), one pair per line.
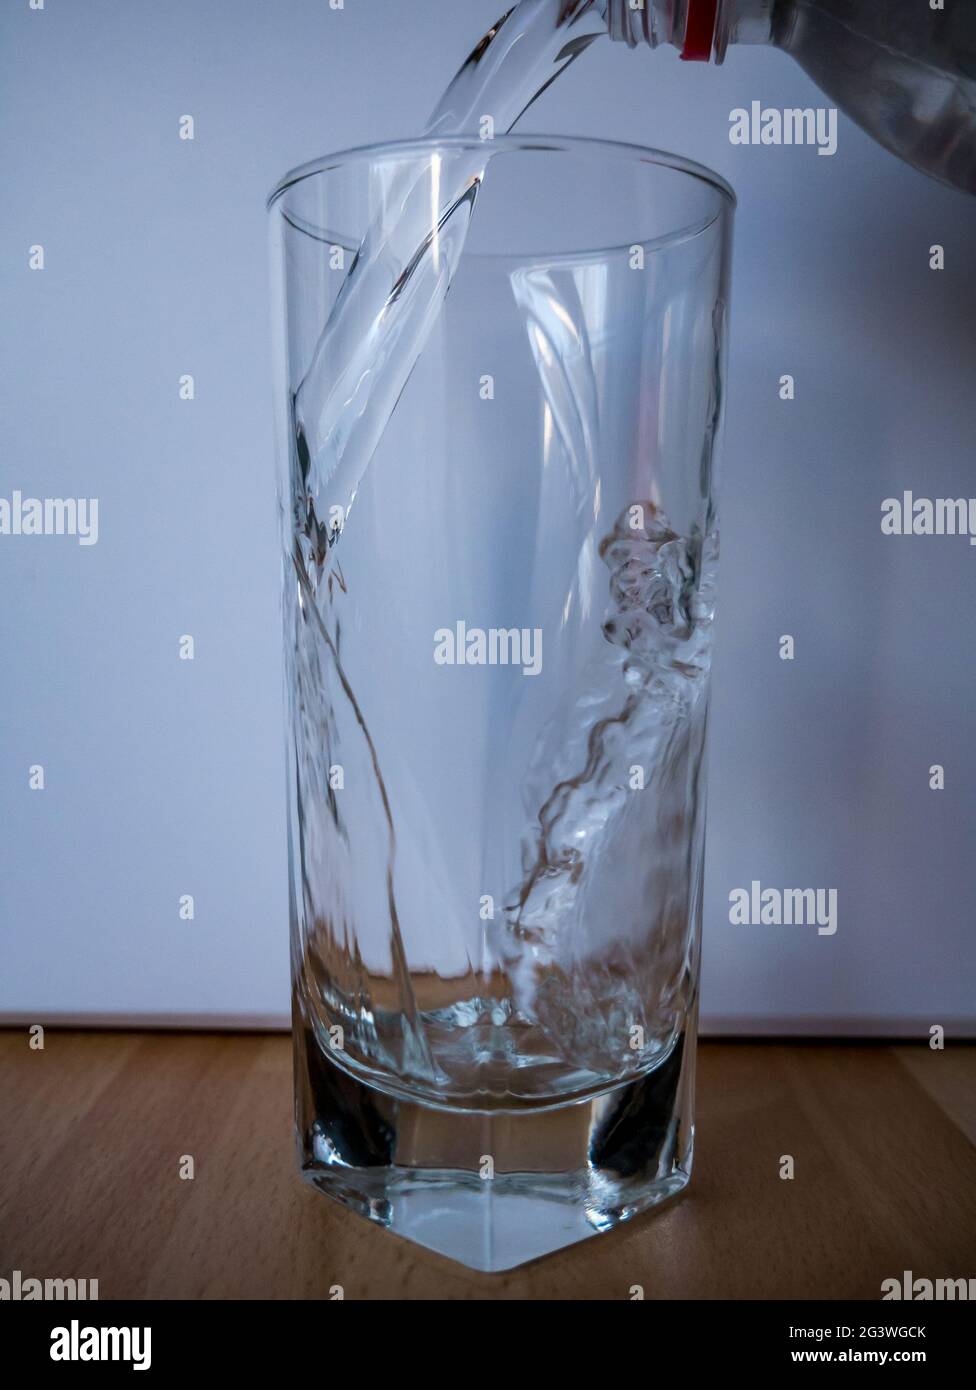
(905,72)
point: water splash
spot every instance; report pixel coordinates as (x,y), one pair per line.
(620,784)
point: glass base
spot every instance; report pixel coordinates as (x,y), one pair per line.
(493,1189)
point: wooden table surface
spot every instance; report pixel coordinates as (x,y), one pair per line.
(93,1128)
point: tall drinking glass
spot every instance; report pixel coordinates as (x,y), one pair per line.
(500,543)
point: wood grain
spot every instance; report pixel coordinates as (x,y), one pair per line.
(92,1130)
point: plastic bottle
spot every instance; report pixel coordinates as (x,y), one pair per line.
(905,70)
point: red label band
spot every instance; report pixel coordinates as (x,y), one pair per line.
(699,30)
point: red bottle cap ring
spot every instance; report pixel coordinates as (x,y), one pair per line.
(699,30)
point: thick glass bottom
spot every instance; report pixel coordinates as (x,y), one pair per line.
(494,1189)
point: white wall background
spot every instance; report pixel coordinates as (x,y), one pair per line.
(165,777)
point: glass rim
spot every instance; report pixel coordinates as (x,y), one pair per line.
(526,142)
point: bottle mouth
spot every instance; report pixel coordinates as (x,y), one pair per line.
(688,25)
(632,26)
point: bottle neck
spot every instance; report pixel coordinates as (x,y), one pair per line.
(700,29)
